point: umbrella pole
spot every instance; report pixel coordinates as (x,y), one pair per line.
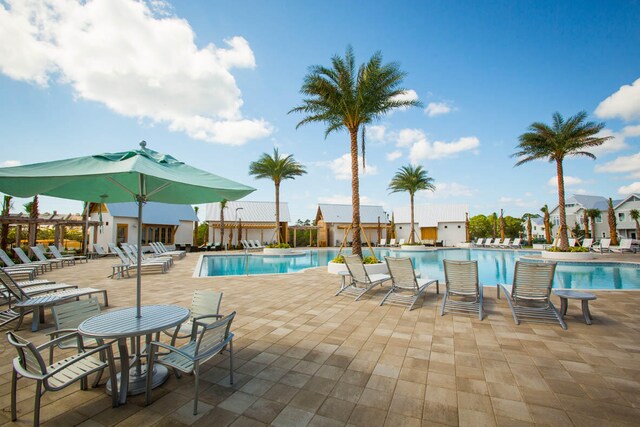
(140,199)
(86,231)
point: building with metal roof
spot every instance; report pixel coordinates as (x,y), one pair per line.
(437,223)
(254,220)
(334,220)
(161,222)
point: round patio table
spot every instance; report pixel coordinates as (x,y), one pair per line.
(585,297)
(123,324)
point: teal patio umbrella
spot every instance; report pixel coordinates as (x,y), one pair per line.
(141,175)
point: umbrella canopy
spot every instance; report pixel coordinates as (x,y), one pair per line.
(140,175)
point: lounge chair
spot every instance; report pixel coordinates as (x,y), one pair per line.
(496,243)
(488,242)
(26,261)
(479,243)
(516,244)
(587,243)
(555,244)
(506,243)
(624,246)
(360,281)
(132,253)
(530,294)
(382,242)
(161,251)
(39,253)
(57,255)
(572,242)
(128,264)
(257,244)
(26,303)
(31,365)
(166,251)
(19,271)
(392,242)
(463,292)
(603,246)
(207,340)
(30,287)
(406,288)
(246,245)
(99,251)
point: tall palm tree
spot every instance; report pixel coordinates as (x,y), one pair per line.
(528,217)
(547,223)
(411,179)
(277,169)
(223,206)
(33,211)
(494,224)
(563,138)
(4,233)
(593,214)
(503,225)
(635,215)
(613,226)
(585,221)
(195,227)
(342,97)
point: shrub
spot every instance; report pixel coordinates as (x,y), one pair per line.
(366,260)
(573,249)
(412,244)
(279,246)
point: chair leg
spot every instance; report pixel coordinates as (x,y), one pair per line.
(480,301)
(113,377)
(444,302)
(14,397)
(36,409)
(387,295)
(231,361)
(558,316)
(196,372)
(150,360)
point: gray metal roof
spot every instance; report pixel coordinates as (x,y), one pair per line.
(589,202)
(154,212)
(248,211)
(431,215)
(343,214)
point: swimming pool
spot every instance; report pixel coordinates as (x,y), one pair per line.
(493,266)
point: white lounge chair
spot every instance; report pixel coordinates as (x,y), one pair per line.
(624,246)
(602,246)
(572,242)
(57,255)
(39,253)
(496,243)
(516,244)
(392,242)
(132,253)
(587,243)
(479,243)
(383,242)
(19,270)
(257,244)
(361,282)
(25,260)
(506,243)
(406,288)
(488,242)
(128,264)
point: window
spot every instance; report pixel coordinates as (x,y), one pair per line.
(599,220)
(555,220)
(122,232)
(621,216)
(157,233)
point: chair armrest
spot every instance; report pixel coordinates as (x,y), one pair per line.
(171,348)
(57,332)
(83,355)
(217,316)
(216,349)
(60,339)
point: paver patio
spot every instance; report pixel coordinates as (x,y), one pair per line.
(306,357)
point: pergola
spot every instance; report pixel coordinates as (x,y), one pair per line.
(305,227)
(59,222)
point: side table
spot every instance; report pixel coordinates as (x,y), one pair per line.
(585,297)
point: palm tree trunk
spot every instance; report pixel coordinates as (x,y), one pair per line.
(412,220)
(637,229)
(356,246)
(593,227)
(529,232)
(564,242)
(277,211)
(547,227)
(585,219)
(221,227)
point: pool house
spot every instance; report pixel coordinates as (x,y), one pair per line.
(444,224)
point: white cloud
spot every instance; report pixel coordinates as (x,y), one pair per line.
(407,95)
(623,164)
(9,163)
(629,189)
(342,199)
(407,137)
(138,60)
(625,103)
(341,167)
(519,202)
(631,131)
(394,155)
(445,190)
(424,149)
(616,143)
(438,109)
(569,181)
(376,133)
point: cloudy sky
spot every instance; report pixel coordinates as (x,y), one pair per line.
(211,82)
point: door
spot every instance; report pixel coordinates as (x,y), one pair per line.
(429,233)
(122,233)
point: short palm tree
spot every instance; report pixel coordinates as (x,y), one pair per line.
(277,169)
(223,206)
(528,217)
(613,226)
(494,224)
(411,179)
(593,214)
(4,232)
(503,225)
(343,97)
(563,138)
(585,221)
(547,223)
(635,215)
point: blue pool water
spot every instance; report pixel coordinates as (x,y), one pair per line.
(493,266)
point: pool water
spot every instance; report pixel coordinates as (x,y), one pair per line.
(493,266)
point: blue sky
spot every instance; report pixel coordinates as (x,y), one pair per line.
(210,82)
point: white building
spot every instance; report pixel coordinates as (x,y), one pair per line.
(255,220)
(439,223)
(537,226)
(334,220)
(626,226)
(161,222)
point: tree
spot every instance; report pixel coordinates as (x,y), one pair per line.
(613,226)
(635,215)
(494,224)
(479,226)
(32,210)
(585,221)
(195,227)
(503,225)
(512,226)
(223,206)
(593,214)
(528,217)
(343,98)
(563,138)
(547,223)
(411,179)
(277,169)
(4,233)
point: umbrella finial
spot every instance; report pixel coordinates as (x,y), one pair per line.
(143,144)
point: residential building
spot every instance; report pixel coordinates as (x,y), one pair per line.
(626,226)
(441,223)
(537,228)
(254,220)
(161,222)
(335,220)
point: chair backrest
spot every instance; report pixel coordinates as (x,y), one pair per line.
(382,242)
(572,242)
(122,256)
(392,242)
(132,256)
(11,285)
(507,242)
(5,259)
(56,253)
(99,249)
(401,242)
(480,241)
(39,253)
(112,246)
(488,241)
(532,280)
(211,335)
(587,243)
(155,248)
(356,268)
(625,244)
(461,276)
(402,273)
(516,241)
(605,243)
(23,257)
(71,314)
(29,357)
(205,302)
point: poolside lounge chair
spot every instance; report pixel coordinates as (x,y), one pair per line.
(19,270)
(257,244)
(382,242)
(530,294)
(488,242)
(392,242)
(57,255)
(516,243)
(128,264)
(506,243)
(26,303)
(496,243)
(39,253)
(479,243)
(30,287)
(132,253)
(360,281)
(26,261)
(166,251)
(463,292)
(603,246)
(572,242)
(587,243)
(624,246)
(207,340)
(406,288)
(31,365)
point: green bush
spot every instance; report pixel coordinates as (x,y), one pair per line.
(366,260)
(279,246)
(573,249)
(412,244)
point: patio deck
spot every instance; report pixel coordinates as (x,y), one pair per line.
(306,357)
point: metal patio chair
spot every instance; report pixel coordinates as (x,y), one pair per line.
(406,288)
(360,281)
(463,292)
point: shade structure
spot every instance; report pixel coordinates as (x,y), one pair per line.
(140,175)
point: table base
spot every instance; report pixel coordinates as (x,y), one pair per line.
(138,382)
